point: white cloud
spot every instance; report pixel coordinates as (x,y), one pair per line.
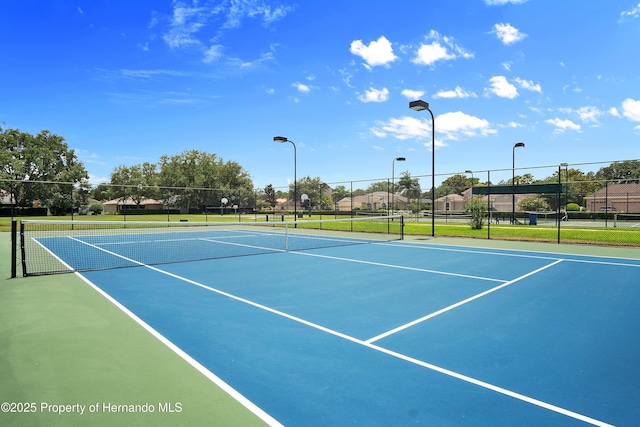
(412,94)
(301,87)
(632,13)
(502,88)
(631,109)
(513,125)
(184,28)
(441,48)
(528,85)
(458,92)
(614,112)
(213,54)
(589,114)
(375,95)
(453,126)
(457,124)
(378,52)
(508,34)
(404,128)
(563,125)
(240,9)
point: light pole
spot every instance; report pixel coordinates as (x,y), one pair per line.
(471,172)
(282,139)
(566,188)
(393,177)
(513,181)
(421,105)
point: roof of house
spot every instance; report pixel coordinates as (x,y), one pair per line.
(618,190)
(130,201)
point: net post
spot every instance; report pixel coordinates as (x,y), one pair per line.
(286,237)
(402,227)
(14,251)
(22,250)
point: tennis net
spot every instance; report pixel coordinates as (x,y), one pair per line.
(53,246)
(626,220)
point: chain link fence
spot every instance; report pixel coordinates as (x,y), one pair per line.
(547,203)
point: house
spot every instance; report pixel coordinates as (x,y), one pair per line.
(501,202)
(5,198)
(119,204)
(615,198)
(378,200)
(450,202)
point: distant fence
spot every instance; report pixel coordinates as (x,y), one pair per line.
(543,203)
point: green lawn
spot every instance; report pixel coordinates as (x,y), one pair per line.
(595,234)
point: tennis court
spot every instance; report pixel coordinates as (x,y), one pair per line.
(381,331)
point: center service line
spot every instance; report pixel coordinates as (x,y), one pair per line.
(458,304)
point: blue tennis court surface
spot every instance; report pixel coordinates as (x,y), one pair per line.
(401,333)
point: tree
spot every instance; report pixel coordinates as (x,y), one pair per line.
(380,186)
(137,181)
(339,193)
(534,204)
(41,169)
(316,189)
(457,184)
(577,184)
(410,186)
(270,196)
(625,172)
(194,179)
(525,179)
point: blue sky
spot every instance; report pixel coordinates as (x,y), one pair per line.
(125,82)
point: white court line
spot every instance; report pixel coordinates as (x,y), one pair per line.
(521,253)
(484,251)
(400,267)
(199,367)
(391,353)
(239,397)
(458,304)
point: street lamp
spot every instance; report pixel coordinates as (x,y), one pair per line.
(513,181)
(471,172)
(393,176)
(282,139)
(566,187)
(421,105)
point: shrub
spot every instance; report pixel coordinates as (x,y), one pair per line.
(96,208)
(573,207)
(477,208)
(534,204)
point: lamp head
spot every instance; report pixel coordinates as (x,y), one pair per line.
(280,139)
(419,105)
(519,145)
(400,159)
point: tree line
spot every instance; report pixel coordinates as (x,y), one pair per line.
(41,170)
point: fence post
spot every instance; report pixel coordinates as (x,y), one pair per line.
(558,204)
(489,204)
(14,244)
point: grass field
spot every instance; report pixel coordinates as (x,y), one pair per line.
(584,233)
